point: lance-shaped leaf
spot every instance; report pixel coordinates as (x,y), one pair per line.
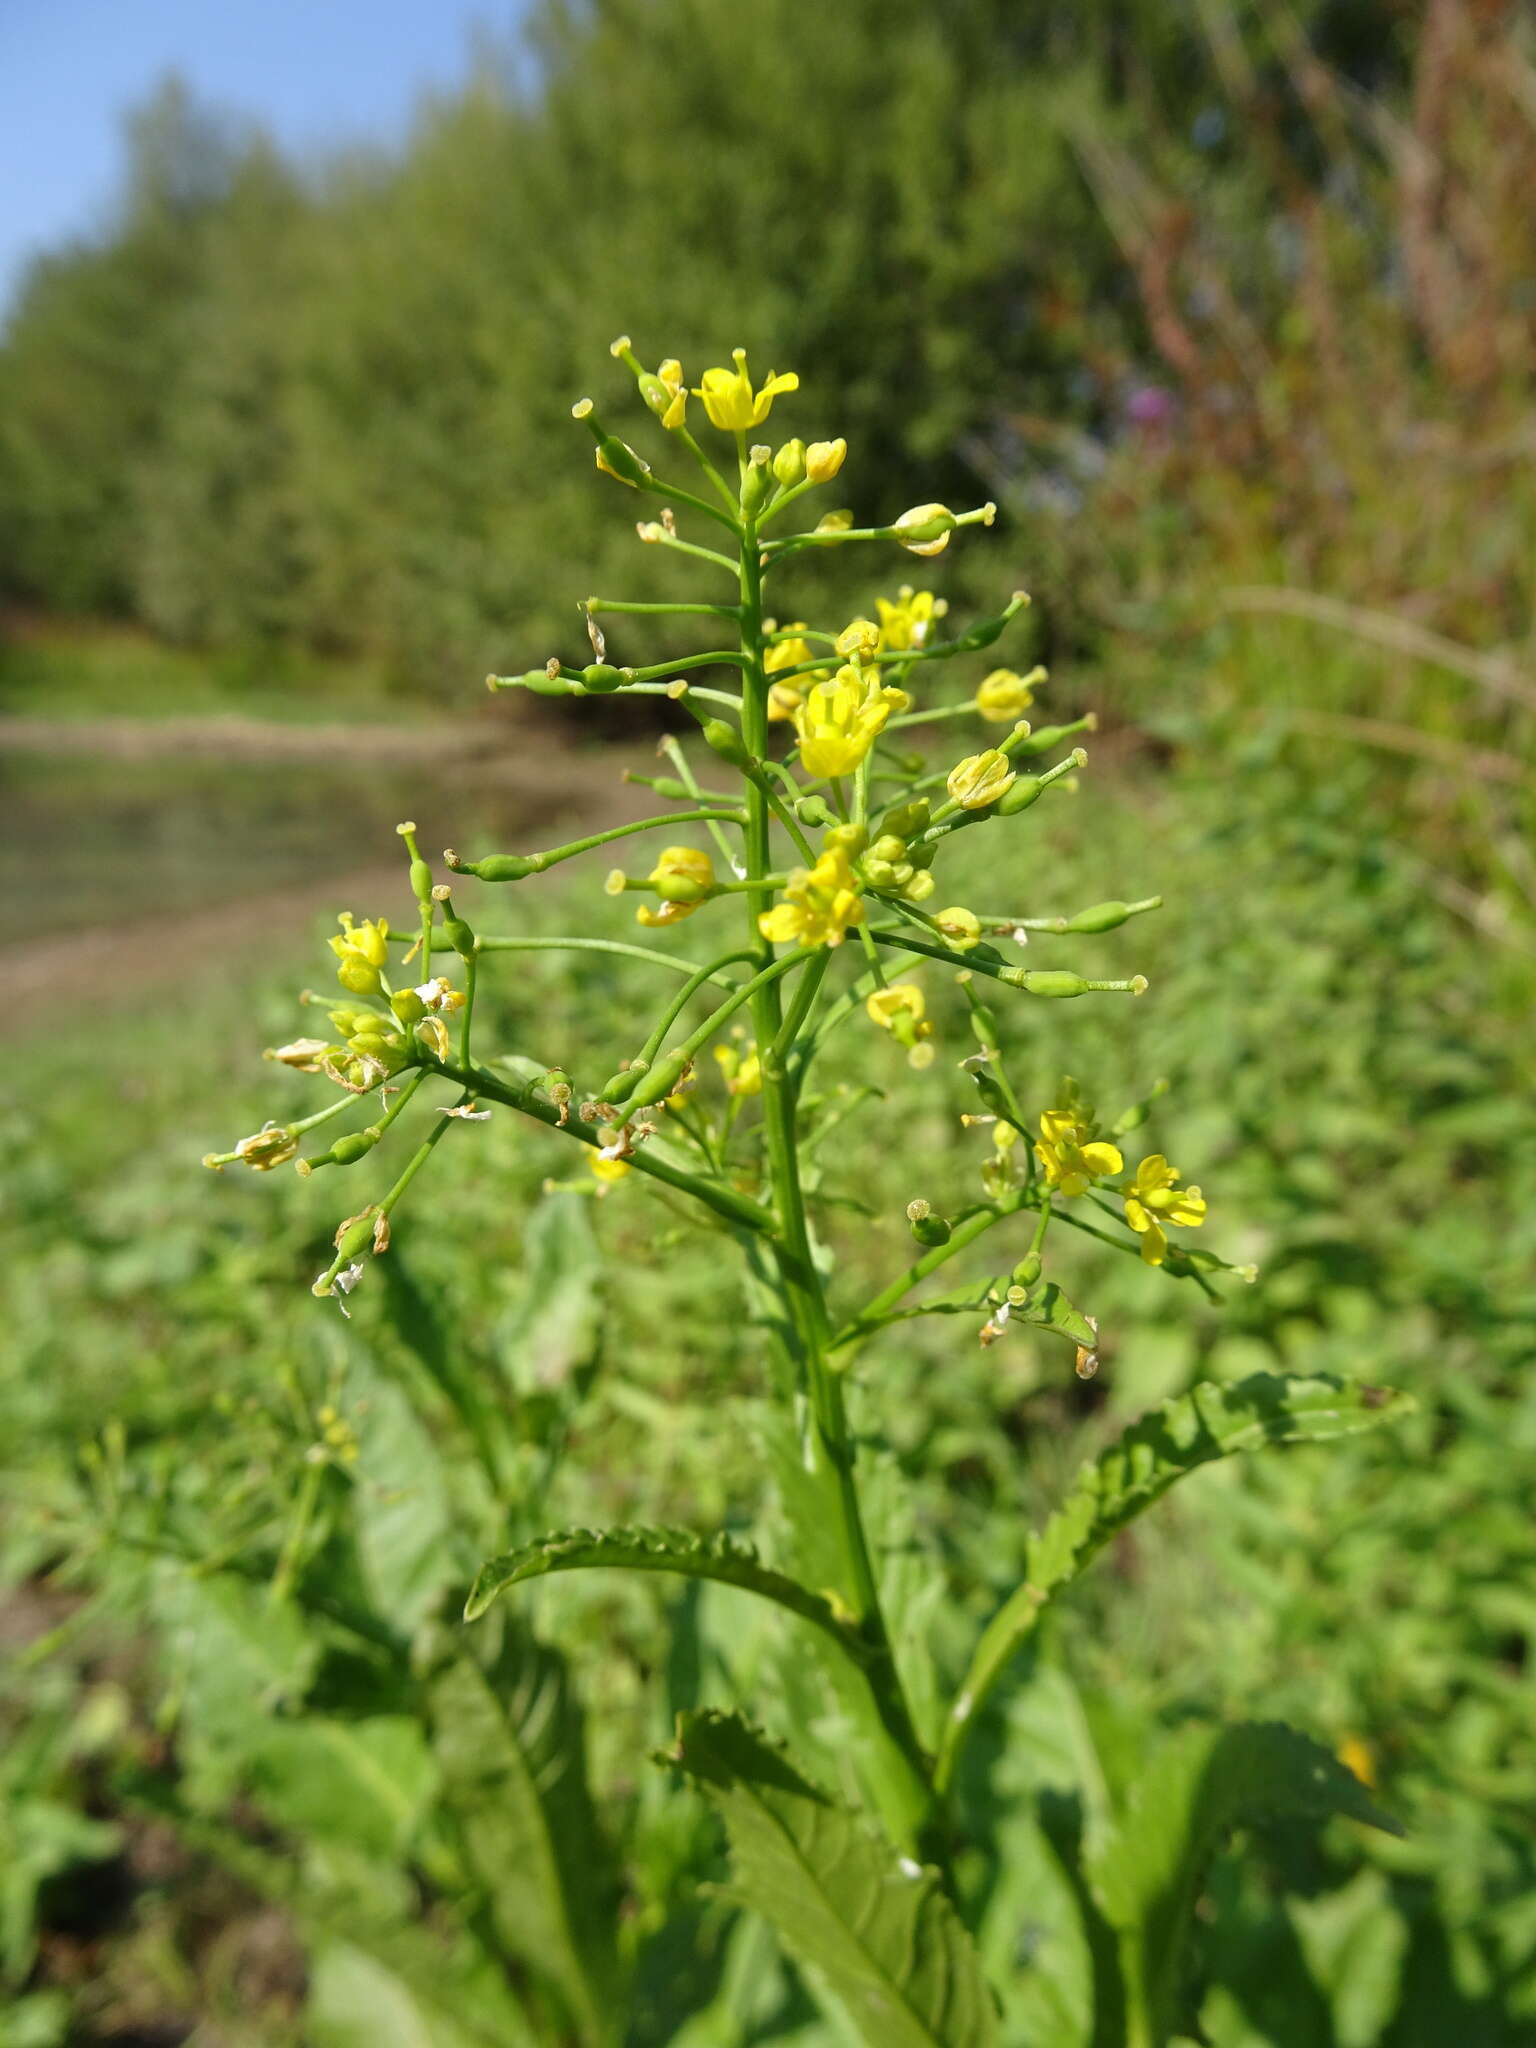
(731,1562)
(1209,1422)
(1147,1866)
(510,1746)
(873,1927)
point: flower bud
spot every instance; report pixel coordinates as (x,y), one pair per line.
(980,779)
(907,819)
(1027,1271)
(756,484)
(823,459)
(831,527)
(727,742)
(925,529)
(960,927)
(408,1006)
(789,464)
(813,811)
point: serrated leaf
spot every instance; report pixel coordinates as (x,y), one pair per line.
(510,1745)
(723,1558)
(873,1927)
(1146,1867)
(1209,1422)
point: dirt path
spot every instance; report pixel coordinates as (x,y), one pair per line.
(556,793)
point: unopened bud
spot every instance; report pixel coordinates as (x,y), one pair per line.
(789,464)
(727,742)
(823,459)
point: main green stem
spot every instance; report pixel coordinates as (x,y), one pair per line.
(899,1771)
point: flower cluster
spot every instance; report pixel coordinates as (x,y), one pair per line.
(840,818)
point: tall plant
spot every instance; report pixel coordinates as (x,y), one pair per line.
(824,853)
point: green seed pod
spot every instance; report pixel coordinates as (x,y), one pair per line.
(982,634)
(656,394)
(600,677)
(927,1228)
(421,881)
(660,1082)
(617,1087)
(543,684)
(354,1146)
(1098,917)
(357,1238)
(983,1022)
(727,742)
(991,1093)
(1047,737)
(497,867)
(1019,795)
(1027,1271)
(1045,981)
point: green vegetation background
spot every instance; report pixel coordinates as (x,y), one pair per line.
(1232,311)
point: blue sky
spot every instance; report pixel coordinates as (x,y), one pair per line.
(313,71)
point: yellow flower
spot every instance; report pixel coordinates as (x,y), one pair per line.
(1155,1199)
(961,927)
(362,951)
(823,459)
(1003,696)
(730,401)
(906,623)
(859,639)
(671,374)
(980,779)
(785,699)
(933,523)
(683,877)
(1070,1161)
(740,1069)
(820,904)
(605,1171)
(900,1009)
(840,721)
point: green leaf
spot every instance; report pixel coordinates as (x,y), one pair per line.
(873,1927)
(510,1744)
(399,1504)
(459,1994)
(364,1783)
(1147,1866)
(724,1558)
(1209,1422)
(1049,1309)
